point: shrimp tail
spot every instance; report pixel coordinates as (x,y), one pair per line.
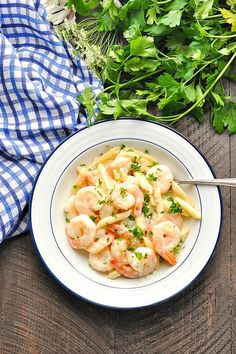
(124,269)
(169,257)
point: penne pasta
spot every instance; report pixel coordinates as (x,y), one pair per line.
(178,191)
(188,208)
(104,176)
(113,219)
(109,155)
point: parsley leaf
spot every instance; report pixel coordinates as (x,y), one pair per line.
(130,248)
(225,117)
(143,47)
(175,208)
(123,192)
(137,232)
(176,249)
(151,177)
(87,99)
(138,255)
(172,19)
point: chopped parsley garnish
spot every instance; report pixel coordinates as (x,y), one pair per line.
(122,146)
(113,214)
(146,198)
(154,163)
(130,248)
(162,212)
(75,186)
(138,255)
(83,164)
(96,239)
(146,151)
(109,202)
(67,220)
(135,166)
(177,248)
(93,218)
(175,207)
(123,192)
(111,190)
(100,202)
(145,210)
(151,177)
(99,183)
(150,233)
(107,239)
(120,239)
(99,193)
(131,217)
(137,232)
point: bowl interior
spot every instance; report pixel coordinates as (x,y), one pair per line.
(79,259)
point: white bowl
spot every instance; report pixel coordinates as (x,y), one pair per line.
(70,267)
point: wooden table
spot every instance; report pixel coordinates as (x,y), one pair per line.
(39,316)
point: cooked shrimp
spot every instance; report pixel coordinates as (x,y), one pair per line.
(143,182)
(101,261)
(141,262)
(119,230)
(142,222)
(120,161)
(166,236)
(177,219)
(81,231)
(102,239)
(119,250)
(106,210)
(124,269)
(127,196)
(87,200)
(70,209)
(93,178)
(164,177)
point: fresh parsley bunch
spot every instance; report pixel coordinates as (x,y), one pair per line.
(171,59)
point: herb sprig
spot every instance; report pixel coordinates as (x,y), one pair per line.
(173,57)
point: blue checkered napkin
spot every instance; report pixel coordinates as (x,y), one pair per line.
(39,83)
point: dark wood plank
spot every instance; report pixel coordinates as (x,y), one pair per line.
(232,89)
(38,316)
(200,319)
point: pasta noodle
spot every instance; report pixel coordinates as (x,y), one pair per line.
(128,213)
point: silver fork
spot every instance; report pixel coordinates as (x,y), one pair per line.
(228,182)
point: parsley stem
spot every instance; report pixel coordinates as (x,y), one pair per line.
(202,68)
(164,55)
(212,16)
(210,87)
(176,117)
(134,80)
(213,35)
(162,2)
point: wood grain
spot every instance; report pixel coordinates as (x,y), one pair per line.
(40,317)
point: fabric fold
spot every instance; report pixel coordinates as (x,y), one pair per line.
(39,83)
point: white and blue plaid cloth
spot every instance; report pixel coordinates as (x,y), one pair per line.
(39,83)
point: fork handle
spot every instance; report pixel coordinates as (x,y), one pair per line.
(229,182)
